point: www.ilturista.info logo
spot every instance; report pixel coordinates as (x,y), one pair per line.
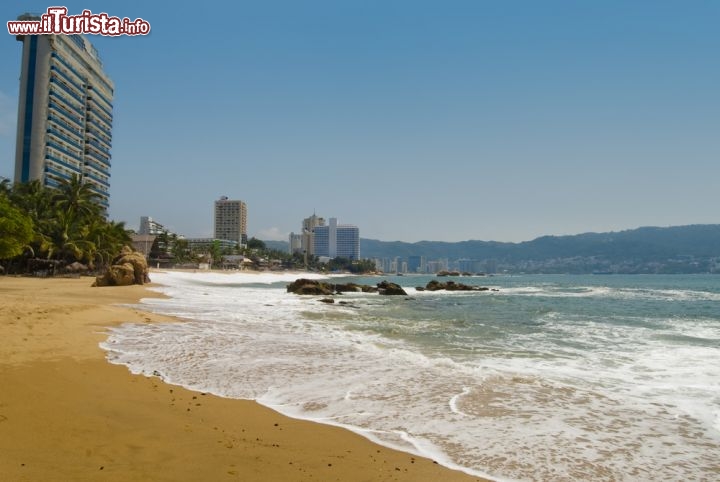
(57,21)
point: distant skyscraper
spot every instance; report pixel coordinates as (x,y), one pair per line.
(308,229)
(416,264)
(231,220)
(295,241)
(64,114)
(337,240)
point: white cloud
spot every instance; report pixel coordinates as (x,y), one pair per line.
(271,234)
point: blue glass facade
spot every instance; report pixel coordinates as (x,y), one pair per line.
(337,240)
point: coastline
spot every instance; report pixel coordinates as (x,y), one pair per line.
(66,413)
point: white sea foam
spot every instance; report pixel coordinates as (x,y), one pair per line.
(579,399)
(610,292)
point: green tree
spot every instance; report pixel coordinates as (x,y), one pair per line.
(216,254)
(16,229)
(254,243)
(161,246)
(103,241)
(353,266)
(34,199)
(67,223)
(181,250)
(77,199)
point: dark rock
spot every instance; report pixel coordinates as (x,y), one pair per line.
(390,289)
(436,285)
(348,288)
(304,286)
(419,288)
(327,300)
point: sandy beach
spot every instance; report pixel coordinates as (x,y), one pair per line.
(68,414)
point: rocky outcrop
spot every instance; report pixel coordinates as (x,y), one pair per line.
(129,267)
(354,288)
(435,285)
(390,289)
(304,286)
(119,275)
(347,288)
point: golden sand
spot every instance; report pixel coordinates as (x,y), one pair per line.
(68,414)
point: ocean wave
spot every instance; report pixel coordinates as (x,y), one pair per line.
(610,292)
(555,399)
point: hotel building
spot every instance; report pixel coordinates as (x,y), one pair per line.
(148,226)
(337,240)
(231,220)
(304,242)
(64,114)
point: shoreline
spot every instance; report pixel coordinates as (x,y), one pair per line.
(67,413)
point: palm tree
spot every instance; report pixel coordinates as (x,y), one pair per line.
(33,198)
(68,224)
(115,237)
(16,229)
(77,199)
(102,241)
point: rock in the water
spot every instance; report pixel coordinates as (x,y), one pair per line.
(436,285)
(348,288)
(327,300)
(304,286)
(390,289)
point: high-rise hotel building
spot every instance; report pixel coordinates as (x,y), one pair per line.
(337,240)
(64,114)
(231,220)
(304,242)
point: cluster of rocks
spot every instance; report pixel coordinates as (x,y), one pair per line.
(435,285)
(128,268)
(305,286)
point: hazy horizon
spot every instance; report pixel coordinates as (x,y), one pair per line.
(414,120)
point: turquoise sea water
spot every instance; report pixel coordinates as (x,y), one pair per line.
(549,378)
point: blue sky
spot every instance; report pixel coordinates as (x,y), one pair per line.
(415,120)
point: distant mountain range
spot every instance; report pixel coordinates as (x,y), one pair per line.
(679,249)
